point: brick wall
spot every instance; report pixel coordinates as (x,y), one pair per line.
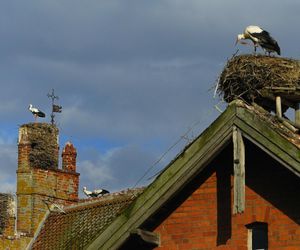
(201,217)
(69,155)
(193,224)
(8,238)
(7,214)
(40,183)
(38,186)
(14,243)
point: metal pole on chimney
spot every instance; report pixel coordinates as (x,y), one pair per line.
(53,97)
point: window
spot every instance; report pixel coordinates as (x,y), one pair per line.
(257,236)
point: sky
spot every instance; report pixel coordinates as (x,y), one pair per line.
(132,76)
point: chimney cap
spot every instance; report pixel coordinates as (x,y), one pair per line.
(69,148)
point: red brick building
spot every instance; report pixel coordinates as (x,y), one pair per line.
(236,186)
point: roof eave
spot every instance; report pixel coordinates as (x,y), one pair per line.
(268,139)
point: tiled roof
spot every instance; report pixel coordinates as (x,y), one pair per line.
(86,221)
(80,223)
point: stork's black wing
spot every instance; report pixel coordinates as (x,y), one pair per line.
(266,41)
(40,114)
(263,37)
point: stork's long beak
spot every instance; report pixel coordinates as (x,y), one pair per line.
(241,42)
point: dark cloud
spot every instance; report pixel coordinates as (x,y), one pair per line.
(115,169)
(8,163)
(127,73)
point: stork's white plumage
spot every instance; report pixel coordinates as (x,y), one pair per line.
(36,112)
(87,192)
(95,193)
(100,192)
(259,37)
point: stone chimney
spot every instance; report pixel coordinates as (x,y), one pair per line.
(40,182)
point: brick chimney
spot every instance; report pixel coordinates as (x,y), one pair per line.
(69,155)
(38,146)
(39,180)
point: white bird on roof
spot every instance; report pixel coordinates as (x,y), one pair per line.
(259,37)
(36,112)
(95,193)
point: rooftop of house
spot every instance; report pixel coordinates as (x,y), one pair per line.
(79,224)
(100,219)
(256,117)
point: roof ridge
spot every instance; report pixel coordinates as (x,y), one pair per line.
(111,197)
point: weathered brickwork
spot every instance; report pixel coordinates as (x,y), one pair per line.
(7,214)
(39,186)
(69,155)
(204,219)
(14,243)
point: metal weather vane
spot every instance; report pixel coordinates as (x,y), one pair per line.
(55,108)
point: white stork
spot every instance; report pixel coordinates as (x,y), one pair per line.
(95,193)
(259,37)
(36,112)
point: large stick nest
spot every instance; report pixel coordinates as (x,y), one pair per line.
(44,147)
(257,77)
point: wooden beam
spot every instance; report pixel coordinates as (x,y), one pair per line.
(239,171)
(284,100)
(289,124)
(147,236)
(278,106)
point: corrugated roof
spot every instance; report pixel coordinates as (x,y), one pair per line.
(80,223)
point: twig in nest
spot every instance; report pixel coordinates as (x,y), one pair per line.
(234,54)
